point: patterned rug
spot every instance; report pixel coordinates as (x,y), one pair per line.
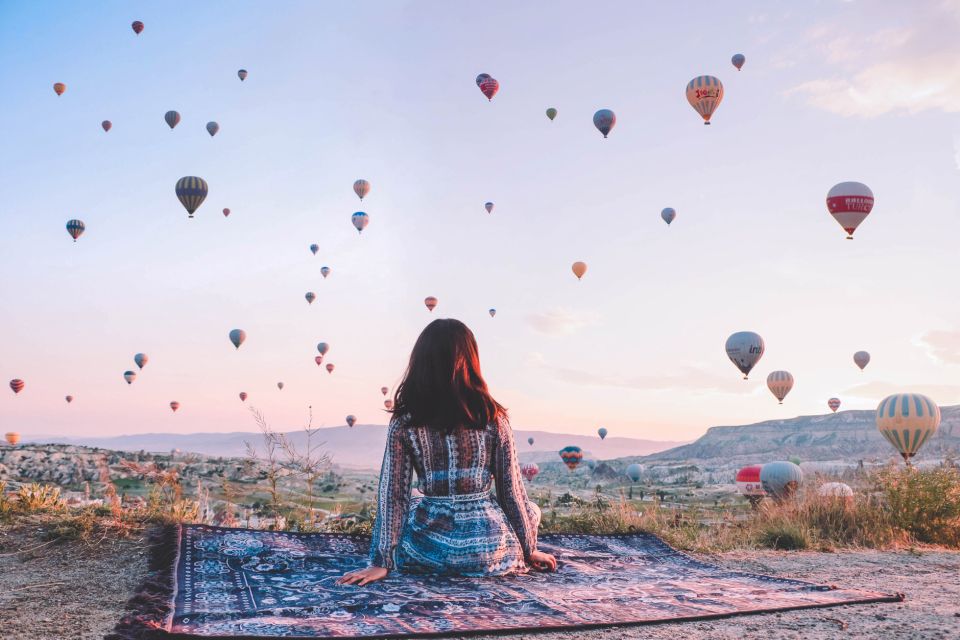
(243,583)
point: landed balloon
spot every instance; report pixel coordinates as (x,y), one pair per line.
(12,438)
(172,118)
(351,420)
(314,248)
(310,296)
(212,128)
(530,441)
(602,432)
(280,386)
(388,403)
(430,303)
(76,228)
(571,456)
(749,485)
(850,203)
(242,74)
(834,404)
(907,420)
(17,385)
(781,479)
(835,490)
(243,396)
(861,359)
(605,120)
(780,383)
(237,336)
(59,88)
(634,471)
(489,87)
(384,390)
(704,94)
(529,471)
(69,399)
(330,368)
(174,406)
(226,212)
(361,187)
(488,206)
(141,360)
(137,27)
(744,348)
(324,271)
(492,312)
(360,221)
(551,113)
(129,376)
(737,60)
(668,215)
(579,268)
(323,347)
(107,125)
(191,192)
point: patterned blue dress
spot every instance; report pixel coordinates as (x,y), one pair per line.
(457,527)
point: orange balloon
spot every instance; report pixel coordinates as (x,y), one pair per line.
(59,87)
(579,268)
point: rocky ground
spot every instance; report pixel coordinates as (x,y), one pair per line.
(78,590)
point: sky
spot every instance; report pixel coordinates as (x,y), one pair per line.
(831,91)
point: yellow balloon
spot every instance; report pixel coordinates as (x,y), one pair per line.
(907,420)
(579,268)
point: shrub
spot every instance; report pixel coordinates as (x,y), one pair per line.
(783,535)
(35,498)
(924,502)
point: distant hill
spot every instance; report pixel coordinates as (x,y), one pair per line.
(359,447)
(843,436)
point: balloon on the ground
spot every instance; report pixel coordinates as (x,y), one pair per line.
(12,438)
(488,206)
(907,421)
(310,296)
(69,399)
(781,479)
(384,390)
(172,118)
(237,336)
(634,471)
(551,113)
(314,248)
(191,191)
(744,348)
(59,88)
(17,385)
(602,432)
(529,471)
(780,383)
(668,215)
(748,481)
(330,368)
(835,490)
(226,212)
(351,420)
(861,359)
(489,87)
(243,396)
(571,456)
(129,376)
(850,203)
(137,27)
(242,74)
(107,125)
(75,228)
(530,441)
(704,94)
(360,221)
(737,60)
(212,128)
(280,386)
(141,360)
(324,271)
(834,404)
(430,302)
(605,120)
(174,406)
(579,268)
(361,187)
(323,347)
(492,312)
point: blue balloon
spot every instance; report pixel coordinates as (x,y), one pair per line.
(634,471)
(604,120)
(781,479)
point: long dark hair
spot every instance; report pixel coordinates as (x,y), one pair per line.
(443,387)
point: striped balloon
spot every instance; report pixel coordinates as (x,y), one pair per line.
(360,221)
(137,27)
(129,376)
(907,420)
(191,191)
(571,456)
(76,228)
(172,118)
(174,406)
(780,383)
(242,74)
(489,87)
(17,385)
(529,471)
(704,94)
(481,78)
(834,404)
(850,203)
(324,271)
(605,120)
(361,187)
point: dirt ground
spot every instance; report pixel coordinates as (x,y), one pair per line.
(78,590)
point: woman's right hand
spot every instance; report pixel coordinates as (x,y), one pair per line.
(542,561)
(363,577)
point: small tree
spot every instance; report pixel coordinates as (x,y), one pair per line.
(273,444)
(311,463)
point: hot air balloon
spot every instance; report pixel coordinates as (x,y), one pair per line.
(191,191)
(172,118)
(361,187)
(488,206)
(749,485)
(129,376)
(107,125)
(835,490)
(137,27)
(12,438)
(75,228)
(850,203)
(861,359)
(360,220)
(668,215)
(242,74)
(529,471)
(237,336)
(551,113)
(243,396)
(634,471)
(174,406)
(579,268)
(324,271)
(388,403)
(780,383)
(323,347)
(226,212)
(318,360)
(59,88)
(530,441)
(604,120)
(351,420)
(781,479)
(314,248)
(17,385)
(212,128)
(907,420)
(430,302)
(280,386)
(602,432)
(489,87)
(737,60)
(310,296)
(744,348)
(704,94)
(141,360)
(571,456)
(834,404)
(69,399)
(330,368)
(492,312)
(384,390)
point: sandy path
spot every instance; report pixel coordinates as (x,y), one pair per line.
(78,591)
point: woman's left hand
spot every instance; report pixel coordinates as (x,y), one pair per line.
(542,561)
(362,577)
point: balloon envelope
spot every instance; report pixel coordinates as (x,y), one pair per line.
(107,125)
(834,404)
(579,268)
(907,420)
(850,203)
(141,360)
(835,490)
(481,78)
(76,228)
(237,336)
(861,359)
(242,74)
(744,348)
(489,87)
(704,94)
(605,120)
(737,60)
(318,360)
(129,376)
(488,206)
(172,118)
(430,302)
(323,347)
(174,405)
(59,88)
(137,27)
(12,438)
(17,385)
(314,248)
(668,215)
(191,191)
(529,471)
(492,312)
(280,386)
(634,471)
(361,187)
(360,221)
(602,432)
(384,390)
(530,441)
(780,383)
(226,212)
(324,271)
(571,456)
(551,113)
(310,296)
(330,368)
(243,396)
(781,479)
(748,481)
(212,128)
(388,403)
(351,420)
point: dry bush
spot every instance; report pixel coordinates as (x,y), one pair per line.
(924,502)
(165,503)
(38,498)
